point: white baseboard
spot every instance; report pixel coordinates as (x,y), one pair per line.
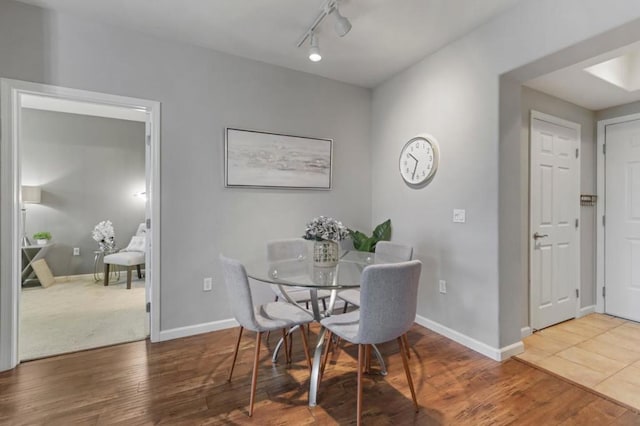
(498,354)
(586,311)
(192,330)
(525,332)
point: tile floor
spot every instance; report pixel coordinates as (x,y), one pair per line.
(599,352)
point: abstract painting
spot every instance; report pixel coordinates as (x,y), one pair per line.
(272,160)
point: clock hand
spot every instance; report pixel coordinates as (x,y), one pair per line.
(414,168)
(411,155)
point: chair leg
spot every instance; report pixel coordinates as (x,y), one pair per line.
(405,341)
(139,272)
(285,341)
(361,353)
(407,372)
(325,356)
(106,274)
(305,345)
(235,354)
(290,336)
(129,268)
(367,359)
(346,304)
(324,304)
(254,375)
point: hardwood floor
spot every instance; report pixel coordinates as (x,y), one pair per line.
(598,351)
(184,382)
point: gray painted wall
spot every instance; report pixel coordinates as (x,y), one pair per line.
(618,111)
(201,92)
(88,169)
(535,100)
(455,95)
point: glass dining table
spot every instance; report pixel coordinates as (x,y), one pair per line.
(301,272)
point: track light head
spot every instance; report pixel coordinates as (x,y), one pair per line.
(314,51)
(342,25)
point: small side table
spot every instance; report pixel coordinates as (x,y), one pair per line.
(98,267)
(29,255)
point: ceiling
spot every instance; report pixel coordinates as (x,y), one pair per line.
(580,87)
(387,35)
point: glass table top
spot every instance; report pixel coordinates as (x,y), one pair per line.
(301,272)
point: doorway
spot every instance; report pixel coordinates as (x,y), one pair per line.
(12,94)
(619,228)
(554,253)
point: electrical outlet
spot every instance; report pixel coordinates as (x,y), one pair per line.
(207,285)
(459,216)
(76,251)
(443,286)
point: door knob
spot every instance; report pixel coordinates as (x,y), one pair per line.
(537,236)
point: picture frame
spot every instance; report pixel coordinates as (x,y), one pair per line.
(257,159)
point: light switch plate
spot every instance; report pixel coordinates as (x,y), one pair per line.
(459,215)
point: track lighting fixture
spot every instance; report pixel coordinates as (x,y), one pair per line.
(314,50)
(341,26)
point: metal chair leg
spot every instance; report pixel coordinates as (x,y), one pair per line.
(346,304)
(405,341)
(359,398)
(235,354)
(407,372)
(286,345)
(325,356)
(306,346)
(254,375)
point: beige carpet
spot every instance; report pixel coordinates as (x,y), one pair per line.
(80,314)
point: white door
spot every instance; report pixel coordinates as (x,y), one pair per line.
(622,225)
(554,250)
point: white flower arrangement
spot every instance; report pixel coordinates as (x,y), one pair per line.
(104,235)
(325,228)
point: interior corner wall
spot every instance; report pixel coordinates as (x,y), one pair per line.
(538,101)
(88,169)
(201,92)
(454,94)
(618,111)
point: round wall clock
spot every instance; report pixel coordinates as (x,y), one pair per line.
(419,160)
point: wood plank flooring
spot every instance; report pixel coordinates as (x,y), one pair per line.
(184,382)
(598,351)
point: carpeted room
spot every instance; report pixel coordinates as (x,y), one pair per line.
(87,168)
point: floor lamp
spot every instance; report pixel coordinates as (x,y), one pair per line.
(30,195)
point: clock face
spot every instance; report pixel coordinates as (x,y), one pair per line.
(419,160)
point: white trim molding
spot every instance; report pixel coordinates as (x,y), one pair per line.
(192,330)
(11,92)
(525,332)
(497,354)
(586,311)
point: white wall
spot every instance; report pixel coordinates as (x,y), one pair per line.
(201,92)
(455,95)
(538,101)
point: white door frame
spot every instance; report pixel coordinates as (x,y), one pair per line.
(10,177)
(565,123)
(602,196)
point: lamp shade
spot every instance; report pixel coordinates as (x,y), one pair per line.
(31,194)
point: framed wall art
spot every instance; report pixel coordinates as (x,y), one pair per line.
(256,159)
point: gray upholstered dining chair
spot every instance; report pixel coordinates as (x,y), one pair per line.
(269,317)
(398,251)
(388,300)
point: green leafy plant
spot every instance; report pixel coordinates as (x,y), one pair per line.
(362,242)
(42,235)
